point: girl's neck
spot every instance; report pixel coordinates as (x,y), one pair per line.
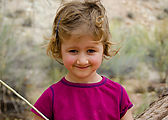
(90,79)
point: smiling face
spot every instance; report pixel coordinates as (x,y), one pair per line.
(82,56)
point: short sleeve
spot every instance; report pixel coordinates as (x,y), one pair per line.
(44,104)
(125,102)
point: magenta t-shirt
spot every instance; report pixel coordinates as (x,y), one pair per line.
(64,100)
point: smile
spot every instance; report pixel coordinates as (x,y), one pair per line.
(82,67)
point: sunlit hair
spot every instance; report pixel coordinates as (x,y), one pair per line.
(71,16)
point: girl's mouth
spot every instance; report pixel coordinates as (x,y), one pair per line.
(82,67)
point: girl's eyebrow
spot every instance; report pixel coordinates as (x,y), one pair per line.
(72,47)
(76,48)
(92,47)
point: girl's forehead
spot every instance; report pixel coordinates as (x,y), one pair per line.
(80,33)
(80,38)
(80,41)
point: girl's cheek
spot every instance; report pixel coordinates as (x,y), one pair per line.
(97,59)
(68,59)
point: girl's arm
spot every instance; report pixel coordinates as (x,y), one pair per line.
(128,115)
(35,117)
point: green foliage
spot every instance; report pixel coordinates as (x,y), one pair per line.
(5,41)
(157,56)
(139,45)
(9,54)
(21,61)
(131,41)
(15,62)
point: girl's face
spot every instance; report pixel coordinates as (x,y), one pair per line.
(82,56)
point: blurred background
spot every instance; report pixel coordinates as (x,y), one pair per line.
(138,27)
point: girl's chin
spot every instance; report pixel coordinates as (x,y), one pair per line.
(82,75)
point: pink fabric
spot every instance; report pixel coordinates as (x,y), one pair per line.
(105,100)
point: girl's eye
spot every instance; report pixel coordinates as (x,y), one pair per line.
(73,51)
(91,51)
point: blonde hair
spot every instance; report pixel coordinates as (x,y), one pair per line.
(70,16)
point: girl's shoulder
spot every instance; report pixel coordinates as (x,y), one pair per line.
(58,84)
(113,84)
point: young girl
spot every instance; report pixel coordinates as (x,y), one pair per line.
(80,41)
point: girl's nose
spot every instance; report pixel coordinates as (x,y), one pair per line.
(82,60)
